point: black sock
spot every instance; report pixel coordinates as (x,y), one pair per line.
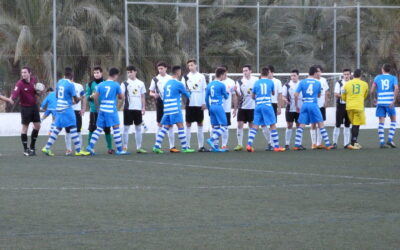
(24,139)
(34,136)
(354,134)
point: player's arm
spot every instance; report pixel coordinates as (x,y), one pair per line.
(203,105)
(83,103)
(143,99)
(207,99)
(16,92)
(152,89)
(3,98)
(284,95)
(396,92)
(224,93)
(327,97)
(337,91)
(45,103)
(95,97)
(296,98)
(343,96)
(372,92)
(89,94)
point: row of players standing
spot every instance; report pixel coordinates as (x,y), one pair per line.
(240,98)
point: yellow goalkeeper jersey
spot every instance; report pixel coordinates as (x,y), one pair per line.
(354,94)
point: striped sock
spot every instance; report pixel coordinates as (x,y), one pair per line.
(381,133)
(117,138)
(216,134)
(160,136)
(252,135)
(182,138)
(392,130)
(95,137)
(299,136)
(275,138)
(76,139)
(325,136)
(52,126)
(53,137)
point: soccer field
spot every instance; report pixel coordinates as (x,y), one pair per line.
(238,200)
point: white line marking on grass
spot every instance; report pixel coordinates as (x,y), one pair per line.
(250,170)
(144,188)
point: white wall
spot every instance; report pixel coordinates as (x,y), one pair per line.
(10,122)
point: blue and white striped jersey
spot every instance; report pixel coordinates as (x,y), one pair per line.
(310,89)
(65,91)
(215,92)
(173,90)
(263,91)
(385,84)
(108,92)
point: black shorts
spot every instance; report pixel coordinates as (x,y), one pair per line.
(93,123)
(323,112)
(275,107)
(29,114)
(159,110)
(341,116)
(78,121)
(292,116)
(132,117)
(194,114)
(228,117)
(245,115)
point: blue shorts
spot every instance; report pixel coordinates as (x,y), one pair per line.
(310,113)
(218,116)
(172,119)
(105,120)
(382,111)
(50,112)
(264,115)
(65,119)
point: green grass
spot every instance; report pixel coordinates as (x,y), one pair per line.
(292,200)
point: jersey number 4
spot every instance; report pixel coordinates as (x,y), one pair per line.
(310,90)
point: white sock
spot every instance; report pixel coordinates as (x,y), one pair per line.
(239,134)
(171,137)
(158,131)
(313,134)
(125,136)
(288,136)
(138,136)
(347,136)
(68,141)
(225,138)
(200,136)
(319,137)
(336,134)
(188,135)
(265,131)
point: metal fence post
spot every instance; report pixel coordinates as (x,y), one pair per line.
(54,42)
(358,35)
(197,35)
(258,36)
(334,38)
(126,34)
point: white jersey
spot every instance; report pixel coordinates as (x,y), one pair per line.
(245,92)
(161,81)
(196,85)
(278,90)
(79,93)
(133,91)
(340,89)
(230,89)
(289,94)
(324,88)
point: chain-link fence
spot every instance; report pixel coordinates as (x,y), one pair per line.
(51,34)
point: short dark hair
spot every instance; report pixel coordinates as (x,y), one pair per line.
(97,68)
(113,71)
(191,61)
(247,66)
(357,73)
(265,71)
(220,71)
(295,71)
(347,70)
(319,67)
(68,73)
(175,69)
(387,67)
(271,68)
(50,89)
(131,68)
(224,66)
(312,70)
(27,68)
(162,64)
